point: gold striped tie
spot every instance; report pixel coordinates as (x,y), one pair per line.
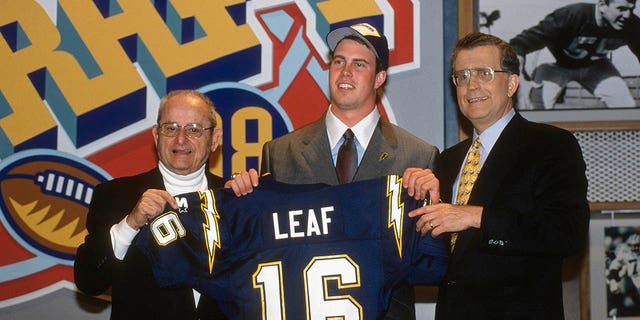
(467,179)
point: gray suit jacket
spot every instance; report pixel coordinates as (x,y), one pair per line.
(304,156)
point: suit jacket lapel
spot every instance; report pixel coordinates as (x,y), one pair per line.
(380,153)
(448,167)
(378,157)
(315,148)
(153,179)
(502,157)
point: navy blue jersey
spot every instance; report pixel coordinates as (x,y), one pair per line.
(294,251)
(575,39)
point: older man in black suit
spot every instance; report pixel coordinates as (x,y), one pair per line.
(185,136)
(518,197)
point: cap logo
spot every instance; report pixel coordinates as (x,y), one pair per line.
(366,29)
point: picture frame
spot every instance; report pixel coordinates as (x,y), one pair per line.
(575,104)
(599,302)
(497,17)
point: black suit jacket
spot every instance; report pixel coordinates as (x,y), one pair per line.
(533,190)
(134,293)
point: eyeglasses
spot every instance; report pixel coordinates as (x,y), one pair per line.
(191,130)
(484,75)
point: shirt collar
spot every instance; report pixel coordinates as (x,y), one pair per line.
(490,135)
(363,130)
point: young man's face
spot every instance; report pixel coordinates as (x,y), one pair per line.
(353,80)
(617,12)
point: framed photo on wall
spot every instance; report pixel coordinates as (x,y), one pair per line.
(581,72)
(613,255)
(622,270)
(580,58)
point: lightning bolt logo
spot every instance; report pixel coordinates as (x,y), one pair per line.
(396,209)
(210,227)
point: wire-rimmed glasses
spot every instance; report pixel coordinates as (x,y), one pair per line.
(483,74)
(191,130)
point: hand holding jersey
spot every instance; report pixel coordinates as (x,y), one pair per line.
(151,204)
(421,184)
(243,183)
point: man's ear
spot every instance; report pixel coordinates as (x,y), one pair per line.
(216,137)
(514,82)
(154,131)
(381,77)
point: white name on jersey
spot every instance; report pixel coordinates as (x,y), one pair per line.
(315,225)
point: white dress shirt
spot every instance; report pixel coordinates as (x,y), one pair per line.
(363,130)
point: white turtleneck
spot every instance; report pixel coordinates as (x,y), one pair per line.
(176,184)
(122,234)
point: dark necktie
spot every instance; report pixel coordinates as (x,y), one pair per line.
(347,162)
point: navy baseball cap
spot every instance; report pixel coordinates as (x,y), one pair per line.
(370,35)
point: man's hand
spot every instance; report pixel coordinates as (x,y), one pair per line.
(243,183)
(444,217)
(150,205)
(419,182)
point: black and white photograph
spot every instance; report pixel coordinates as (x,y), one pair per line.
(575,55)
(622,271)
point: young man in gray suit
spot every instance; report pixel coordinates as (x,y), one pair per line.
(359,60)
